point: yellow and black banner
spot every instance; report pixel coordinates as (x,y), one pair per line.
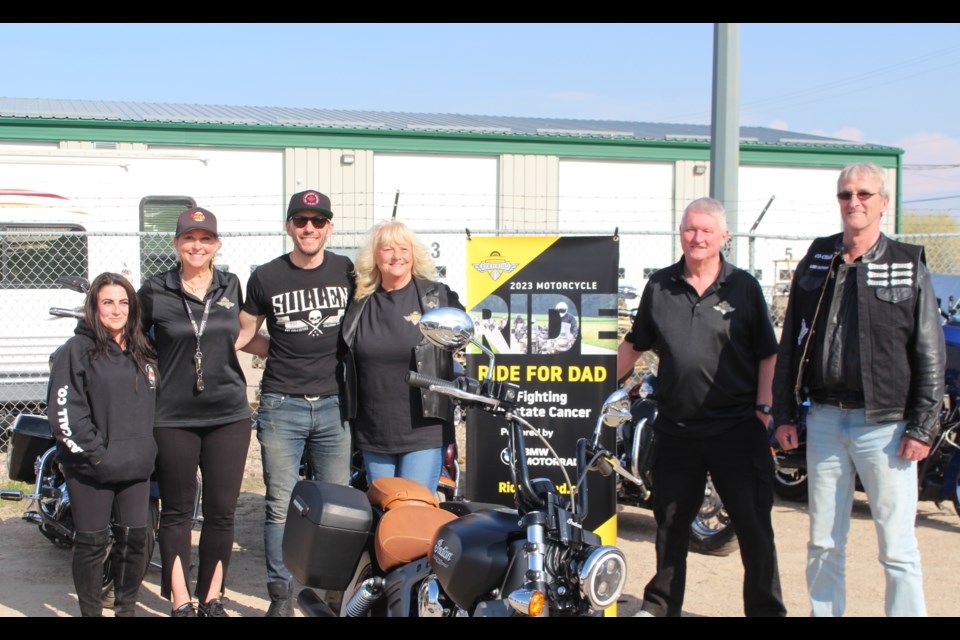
(547,307)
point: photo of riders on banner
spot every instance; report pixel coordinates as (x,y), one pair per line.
(547,307)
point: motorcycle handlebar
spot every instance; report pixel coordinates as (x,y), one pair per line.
(450,388)
(415,379)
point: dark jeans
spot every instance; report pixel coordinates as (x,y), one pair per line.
(220,453)
(741,467)
(92,504)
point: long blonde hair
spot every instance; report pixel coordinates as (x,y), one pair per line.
(383,233)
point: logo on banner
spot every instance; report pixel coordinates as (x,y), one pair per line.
(495,265)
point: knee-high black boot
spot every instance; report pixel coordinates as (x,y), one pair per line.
(89,553)
(129,560)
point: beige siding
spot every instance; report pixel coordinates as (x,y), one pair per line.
(529,192)
(350,186)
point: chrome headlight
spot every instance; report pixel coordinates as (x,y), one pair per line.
(603,577)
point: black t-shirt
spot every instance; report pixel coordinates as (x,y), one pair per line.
(709,347)
(389,411)
(224,397)
(304,309)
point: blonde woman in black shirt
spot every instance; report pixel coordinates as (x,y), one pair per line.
(203,416)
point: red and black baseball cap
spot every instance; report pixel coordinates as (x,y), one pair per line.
(196,218)
(310,200)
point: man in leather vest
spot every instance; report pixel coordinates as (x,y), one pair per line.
(862,342)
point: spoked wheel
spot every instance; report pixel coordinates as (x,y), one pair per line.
(711,532)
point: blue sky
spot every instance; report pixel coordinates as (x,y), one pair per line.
(891,84)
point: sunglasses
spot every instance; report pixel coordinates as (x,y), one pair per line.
(863,196)
(319,222)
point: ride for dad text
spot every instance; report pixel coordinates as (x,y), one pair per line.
(544,373)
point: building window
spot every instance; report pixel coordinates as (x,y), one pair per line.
(33,257)
(158,219)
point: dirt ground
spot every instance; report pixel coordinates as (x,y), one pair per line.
(35,576)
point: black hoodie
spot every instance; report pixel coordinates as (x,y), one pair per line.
(101,410)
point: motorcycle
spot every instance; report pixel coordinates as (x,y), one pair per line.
(400,554)
(711,531)
(938,475)
(31,458)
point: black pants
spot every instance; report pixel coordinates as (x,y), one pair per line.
(741,467)
(92,504)
(220,453)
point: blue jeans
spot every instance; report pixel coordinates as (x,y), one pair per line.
(423,466)
(841,444)
(286,427)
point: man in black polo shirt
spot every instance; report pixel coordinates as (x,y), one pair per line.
(708,323)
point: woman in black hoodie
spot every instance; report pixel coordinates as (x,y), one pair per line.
(100,403)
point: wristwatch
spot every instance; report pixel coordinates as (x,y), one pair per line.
(765,409)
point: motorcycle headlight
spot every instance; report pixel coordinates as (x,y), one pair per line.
(603,577)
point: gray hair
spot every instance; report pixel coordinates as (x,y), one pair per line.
(710,206)
(864,169)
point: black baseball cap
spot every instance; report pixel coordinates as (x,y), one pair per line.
(310,200)
(196,218)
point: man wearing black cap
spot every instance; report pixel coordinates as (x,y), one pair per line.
(302,295)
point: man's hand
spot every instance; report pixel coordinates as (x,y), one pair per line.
(912,449)
(786,435)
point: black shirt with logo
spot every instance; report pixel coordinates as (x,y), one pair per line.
(304,309)
(165,319)
(709,348)
(389,411)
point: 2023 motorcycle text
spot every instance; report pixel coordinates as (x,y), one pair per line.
(395,552)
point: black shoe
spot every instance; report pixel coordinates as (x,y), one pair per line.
(184,611)
(280,605)
(212,609)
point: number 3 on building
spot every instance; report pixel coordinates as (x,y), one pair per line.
(435,253)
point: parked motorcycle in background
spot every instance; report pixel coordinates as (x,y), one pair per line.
(393,552)
(711,531)
(938,475)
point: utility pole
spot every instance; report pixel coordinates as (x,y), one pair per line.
(725,123)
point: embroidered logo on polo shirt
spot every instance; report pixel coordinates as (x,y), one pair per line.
(724,308)
(413,318)
(894,274)
(225,303)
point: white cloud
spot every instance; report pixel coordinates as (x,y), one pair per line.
(930,148)
(779,124)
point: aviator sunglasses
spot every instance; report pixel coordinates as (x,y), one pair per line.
(319,222)
(863,196)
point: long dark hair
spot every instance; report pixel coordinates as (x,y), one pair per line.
(136,341)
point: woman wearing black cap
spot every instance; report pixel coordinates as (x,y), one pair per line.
(203,416)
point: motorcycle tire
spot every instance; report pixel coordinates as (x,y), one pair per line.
(790,484)
(711,532)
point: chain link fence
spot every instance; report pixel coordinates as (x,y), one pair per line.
(31,260)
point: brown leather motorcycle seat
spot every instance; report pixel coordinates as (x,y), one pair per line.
(388,493)
(406,532)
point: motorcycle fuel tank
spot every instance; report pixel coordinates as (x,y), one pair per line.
(470,555)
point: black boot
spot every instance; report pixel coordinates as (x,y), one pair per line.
(280,605)
(129,560)
(89,553)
